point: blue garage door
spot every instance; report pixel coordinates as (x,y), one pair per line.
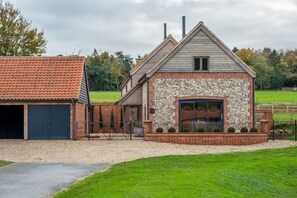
(49,122)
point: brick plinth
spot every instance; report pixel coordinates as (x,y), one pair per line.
(209,139)
(147,126)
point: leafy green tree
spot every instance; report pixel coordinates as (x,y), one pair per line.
(246,55)
(263,72)
(17,37)
(100,118)
(235,49)
(105,71)
(278,75)
(125,62)
(122,123)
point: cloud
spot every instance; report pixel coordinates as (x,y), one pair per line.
(136,26)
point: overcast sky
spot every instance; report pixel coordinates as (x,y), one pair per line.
(136,26)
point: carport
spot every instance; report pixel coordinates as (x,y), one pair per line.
(11,122)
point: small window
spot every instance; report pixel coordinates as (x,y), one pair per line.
(197,63)
(201,63)
(204,63)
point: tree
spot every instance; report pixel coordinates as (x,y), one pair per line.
(125,62)
(245,55)
(263,72)
(17,37)
(139,60)
(105,71)
(235,49)
(278,75)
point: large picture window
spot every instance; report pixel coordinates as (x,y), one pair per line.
(197,114)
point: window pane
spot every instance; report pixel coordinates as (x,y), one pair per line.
(200,115)
(214,116)
(197,63)
(204,63)
(187,116)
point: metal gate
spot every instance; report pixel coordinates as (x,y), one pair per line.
(49,122)
(284,130)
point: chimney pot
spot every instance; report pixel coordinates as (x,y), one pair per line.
(165,31)
(183,26)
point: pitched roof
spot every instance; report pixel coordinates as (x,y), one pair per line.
(40,78)
(213,37)
(169,38)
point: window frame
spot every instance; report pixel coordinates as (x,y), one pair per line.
(202,101)
(201,63)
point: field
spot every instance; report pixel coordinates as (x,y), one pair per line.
(266,173)
(104,96)
(276,97)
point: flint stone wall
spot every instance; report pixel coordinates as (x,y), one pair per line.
(235,90)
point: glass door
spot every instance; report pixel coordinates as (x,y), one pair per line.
(187,116)
(196,114)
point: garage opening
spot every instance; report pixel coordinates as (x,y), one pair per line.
(12,122)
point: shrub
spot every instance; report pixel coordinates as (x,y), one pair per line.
(159,130)
(171,130)
(101,118)
(186,130)
(121,119)
(244,129)
(200,130)
(253,129)
(231,130)
(216,130)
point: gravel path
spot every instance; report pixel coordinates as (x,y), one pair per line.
(115,151)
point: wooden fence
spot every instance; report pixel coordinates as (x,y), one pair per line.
(276,108)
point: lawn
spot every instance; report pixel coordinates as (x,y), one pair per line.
(276,97)
(4,163)
(266,173)
(284,117)
(104,96)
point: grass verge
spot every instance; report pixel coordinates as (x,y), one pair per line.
(4,163)
(266,173)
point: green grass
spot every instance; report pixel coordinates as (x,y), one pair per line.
(284,117)
(104,96)
(276,97)
(4,163)
(266,173)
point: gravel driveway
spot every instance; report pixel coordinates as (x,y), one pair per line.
(111,152)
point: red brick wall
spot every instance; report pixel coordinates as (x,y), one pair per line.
(197,75)
(209,139)
(106,109)
(80,121)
